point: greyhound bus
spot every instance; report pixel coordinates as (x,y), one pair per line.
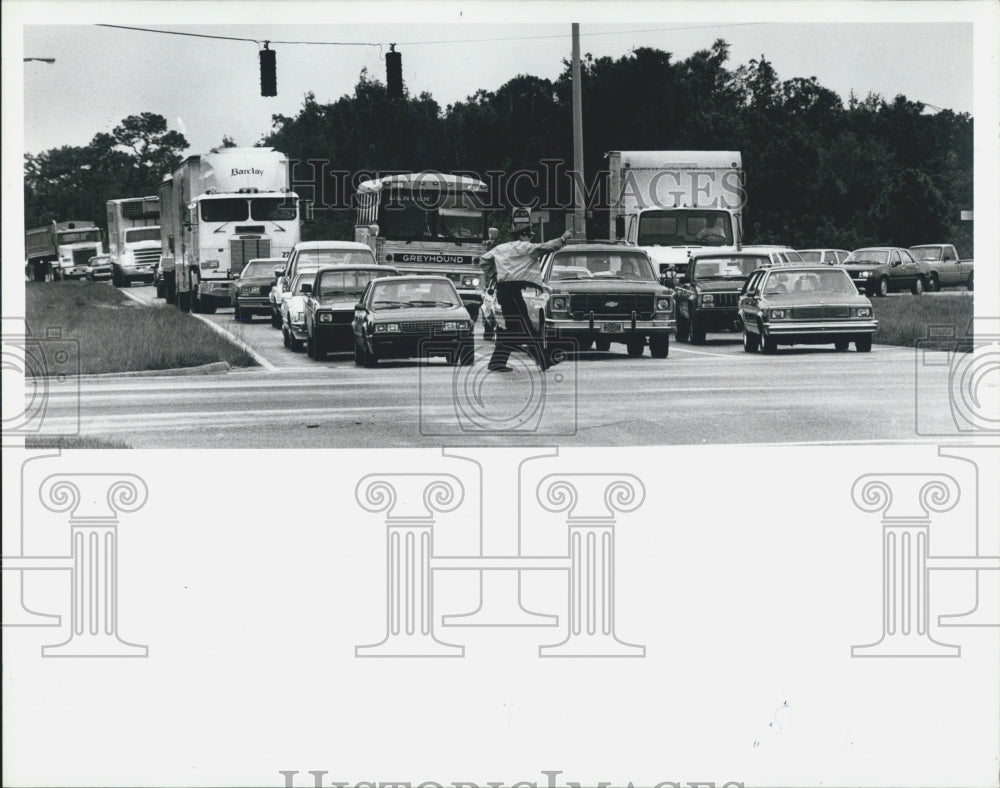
(428,223)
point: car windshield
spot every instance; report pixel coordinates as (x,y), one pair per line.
(832,281)
(427,213)
(320,257)
(728,267)
(610,264)
(224,209)
(342,283)
(687,227)
(420,293)
(303,279)
(871,256)
(273,209)
(258,268)
(928,253)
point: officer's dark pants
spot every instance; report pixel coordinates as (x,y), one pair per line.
(519,334)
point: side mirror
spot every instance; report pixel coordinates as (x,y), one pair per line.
(360,306)
(492,233)
(306,210)
(667,279)
(306,289)
(279,270)
(619,227)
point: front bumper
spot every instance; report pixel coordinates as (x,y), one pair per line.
(216,290)
(138,272)
(253,302)
(610,328)
(335,335)
(104,273)
(76,271)
(412,346)
(831,327)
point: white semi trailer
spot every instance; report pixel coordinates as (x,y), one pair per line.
(219,210)
(133,239)
(674,203)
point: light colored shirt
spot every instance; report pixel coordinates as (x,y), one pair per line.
(517,261)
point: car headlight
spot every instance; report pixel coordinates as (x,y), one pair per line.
(863,311)
(298,317)
(864,274)
(778,314)
(247,289)
(209,265)
(382,328)
(325,317)
(559,303)
(455,325)
(470,281)
(708,298)
(664,305)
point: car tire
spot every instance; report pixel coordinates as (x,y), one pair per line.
(310,346)
(933,284)
(697,331)
(918,286)
(635,347)
(841,344)
(276,320)
(683,329)
(968,284)
(768,345)
(863,344)
(466,354)
(883,287)
(602,344)
(286,338)
(116,277)
(358,357)
(237,314)
(161,290)
(171,293)
(751,342)
(659,346)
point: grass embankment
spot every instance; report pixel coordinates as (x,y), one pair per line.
(902,320)
(116,334)
(73,442)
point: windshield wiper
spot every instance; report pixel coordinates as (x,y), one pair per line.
(430,303)
(390,304)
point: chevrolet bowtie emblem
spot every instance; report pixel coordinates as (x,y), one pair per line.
(610,303)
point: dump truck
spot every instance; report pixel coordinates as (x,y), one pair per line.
(61,250)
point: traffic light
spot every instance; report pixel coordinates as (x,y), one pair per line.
(268,72)
(394,73)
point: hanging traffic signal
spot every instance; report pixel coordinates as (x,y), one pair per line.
(268,72)
(394,73)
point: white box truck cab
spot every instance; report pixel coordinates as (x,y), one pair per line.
(675,203)
(133,239)
(218,211)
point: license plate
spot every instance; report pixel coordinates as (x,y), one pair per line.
(611,328)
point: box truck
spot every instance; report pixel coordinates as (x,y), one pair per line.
(673,203)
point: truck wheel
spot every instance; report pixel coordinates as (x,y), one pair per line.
(659,345)
(183,301)
(635,347)
(968,284)
(918,286)
(768,345)
(161,289)
(171,294)
(683,329)
(208,306)
(602,344)
(883,287)
(933,284)
(697,331)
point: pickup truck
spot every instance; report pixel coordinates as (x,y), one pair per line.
(946,269)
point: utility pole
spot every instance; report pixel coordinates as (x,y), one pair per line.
(579,211)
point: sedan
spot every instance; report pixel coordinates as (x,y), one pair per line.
(412,316)
(252,287)
(880,270)
(293,311)
(98,267)
(807,305)
(329,302)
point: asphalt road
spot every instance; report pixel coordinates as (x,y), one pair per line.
(714,393)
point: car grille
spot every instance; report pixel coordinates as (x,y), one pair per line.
(81,256)
(147,256)
(611,305)
(421,329)
(725,299)
(265,290)
(820,312)
(344,318)
(242,250)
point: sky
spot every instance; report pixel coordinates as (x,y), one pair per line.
(208,88)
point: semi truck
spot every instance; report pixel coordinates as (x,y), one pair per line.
(676,203)
(218,210)
(61,250)
(133,239)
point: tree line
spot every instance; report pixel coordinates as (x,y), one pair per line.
(820,170)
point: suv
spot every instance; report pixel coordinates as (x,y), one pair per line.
(603,293)
(708,291)
(329,305)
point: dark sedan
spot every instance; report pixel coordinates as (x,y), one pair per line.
(880,270)
(329,304)
(252,288)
